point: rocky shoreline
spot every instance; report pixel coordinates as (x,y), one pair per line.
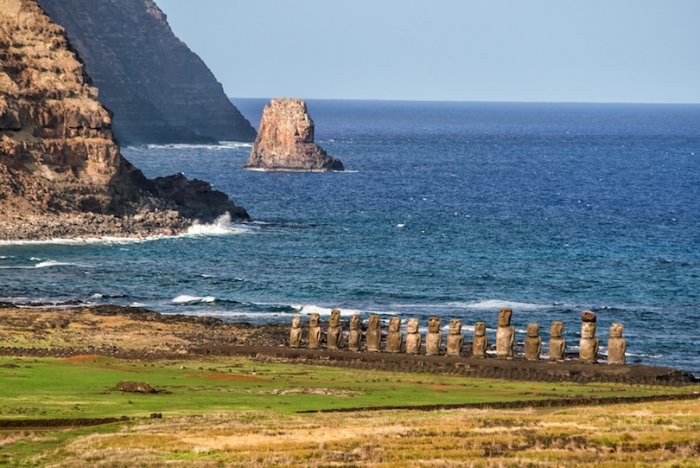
(138,333)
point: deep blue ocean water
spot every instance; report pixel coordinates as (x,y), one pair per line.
(453,209)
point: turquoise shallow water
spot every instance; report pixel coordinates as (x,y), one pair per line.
(454,209)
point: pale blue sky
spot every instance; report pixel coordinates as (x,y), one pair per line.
(465,50)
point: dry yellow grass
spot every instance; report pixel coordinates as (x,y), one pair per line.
(666,433)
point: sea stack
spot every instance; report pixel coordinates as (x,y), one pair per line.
(285,141)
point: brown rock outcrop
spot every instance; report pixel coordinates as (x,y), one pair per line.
(61,172)
(159,90)
(285,141)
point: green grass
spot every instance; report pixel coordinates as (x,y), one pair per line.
(43,388)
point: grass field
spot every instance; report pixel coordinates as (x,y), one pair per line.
(216,411)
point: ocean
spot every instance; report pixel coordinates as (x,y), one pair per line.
(448,209)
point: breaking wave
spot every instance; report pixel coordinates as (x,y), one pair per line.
(497,304)
(187,299)
(223,145)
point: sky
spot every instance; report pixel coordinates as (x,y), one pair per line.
(452,50)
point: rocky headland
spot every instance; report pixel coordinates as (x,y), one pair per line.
(61,171)
(159,90)
(285,141)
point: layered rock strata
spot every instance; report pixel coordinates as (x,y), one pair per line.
(159,90)
(285,141)
(61,171)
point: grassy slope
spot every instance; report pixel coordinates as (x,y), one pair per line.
(217,411)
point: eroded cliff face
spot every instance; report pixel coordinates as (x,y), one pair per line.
(61,172)
(158,89)
(285,141)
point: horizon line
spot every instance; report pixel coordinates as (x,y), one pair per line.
(460,101)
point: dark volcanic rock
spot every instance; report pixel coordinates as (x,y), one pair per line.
(159,90)
(61,172)
(285,141)
(135,387)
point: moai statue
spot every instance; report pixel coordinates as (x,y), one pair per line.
(533,342)
(557,345)
(481,341)
(335,331)
(616,344)
(355,336)
(413,336)
(505,335)
(455,338)
(374,333)
(433,339)
(314,340)
(588,347)
(394,339)
(295,333)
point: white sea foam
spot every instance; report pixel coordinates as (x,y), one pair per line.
(187,299)
(497,304)
(326,311)
(222,226)
(44,264)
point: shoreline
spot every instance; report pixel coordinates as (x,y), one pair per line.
(139,333)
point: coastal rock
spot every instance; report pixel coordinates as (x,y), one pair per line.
(285,141)
(159,90)
(61,171)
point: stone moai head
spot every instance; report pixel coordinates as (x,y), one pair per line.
(296,321)
(355,322)
(412,325)
(588,328)
(504,317)
(373,322)
(533,330)
(314,320)
(616,330)
(394,324)
(480,329)
(335,318)
(455,327)
(557,330)
(434,325)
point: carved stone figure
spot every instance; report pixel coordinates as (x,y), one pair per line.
(481,341)
(413,336)
(355,336)
(335,330)
(617,345)
(588,347)
(394,339)
(374,333)
(455,338)
(505,335)
(557,345)
(314,340)
(533,342)
(433,339)
(295,333)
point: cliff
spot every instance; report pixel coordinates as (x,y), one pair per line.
(158,89)
(285,141)
(61,172)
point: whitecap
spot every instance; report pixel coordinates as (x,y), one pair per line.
(187,299)
(497,304)
(326,311)
(222,226)
(223,145)
(52,263)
